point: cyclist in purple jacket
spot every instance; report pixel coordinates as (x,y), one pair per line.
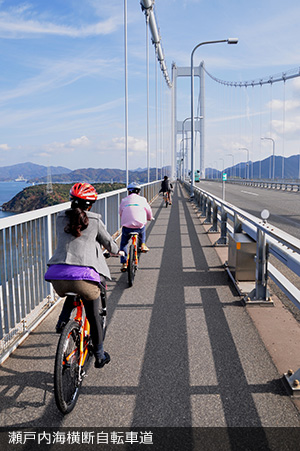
(78,264)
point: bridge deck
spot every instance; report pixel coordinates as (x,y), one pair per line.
(184,350)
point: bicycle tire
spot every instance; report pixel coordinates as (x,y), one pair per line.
(166,200)
(66,374)
(131,266)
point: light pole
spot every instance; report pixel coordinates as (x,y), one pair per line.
(273,169)
(245,148)
(229,41)
(223,181)
(183,155)
(185,120)
(216,170)
(126,91)
(230,155)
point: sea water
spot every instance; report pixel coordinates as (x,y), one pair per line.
(7,191)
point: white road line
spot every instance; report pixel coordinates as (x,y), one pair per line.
(249,192)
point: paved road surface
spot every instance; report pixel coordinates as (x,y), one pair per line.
(284,206)
(184,352)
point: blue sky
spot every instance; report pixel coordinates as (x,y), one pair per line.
(62,78)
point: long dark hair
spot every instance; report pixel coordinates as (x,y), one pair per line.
(78,219)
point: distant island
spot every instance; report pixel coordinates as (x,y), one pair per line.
(35,197)
(35,173)
(26,171)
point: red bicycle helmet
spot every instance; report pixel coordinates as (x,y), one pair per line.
(83,191)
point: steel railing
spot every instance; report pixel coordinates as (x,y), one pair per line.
(269,240)
(284,247)
(27,242)
(284,185)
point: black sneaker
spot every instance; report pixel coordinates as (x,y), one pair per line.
(99,363)
(60,326)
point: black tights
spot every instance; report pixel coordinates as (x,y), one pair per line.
(92,314)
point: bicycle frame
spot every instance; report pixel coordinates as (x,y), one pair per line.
(84,332)
(132,257)
(134,238)
(72,354)
(166,198)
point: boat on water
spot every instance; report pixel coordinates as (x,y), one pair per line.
(20,179)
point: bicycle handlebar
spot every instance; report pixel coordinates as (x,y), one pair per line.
(107,254)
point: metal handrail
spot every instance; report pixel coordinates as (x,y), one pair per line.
(27,241)
(283,246)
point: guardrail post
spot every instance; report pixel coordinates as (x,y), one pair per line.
(199,199)
(208,212)
(260,294)
(214,227)
(223,240)
(49,247)
(204,200)
(105,212)
(201,202)
(196,198)
(119,219)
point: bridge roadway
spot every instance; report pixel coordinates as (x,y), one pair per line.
(184,351)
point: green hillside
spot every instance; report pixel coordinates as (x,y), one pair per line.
(35,197)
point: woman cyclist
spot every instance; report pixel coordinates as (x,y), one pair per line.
(78,265)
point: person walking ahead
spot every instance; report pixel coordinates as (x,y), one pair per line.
(135,212)
(78,264)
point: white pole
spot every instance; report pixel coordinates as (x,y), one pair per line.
(126,93)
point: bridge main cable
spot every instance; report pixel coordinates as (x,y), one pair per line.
(148,8)
(293,73)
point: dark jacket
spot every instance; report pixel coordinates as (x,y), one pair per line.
(165,186)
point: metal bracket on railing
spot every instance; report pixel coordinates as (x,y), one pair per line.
(208,212)
(292,382)
(237,227)
(223,240)
(204,207)
(24,325)
(260,294)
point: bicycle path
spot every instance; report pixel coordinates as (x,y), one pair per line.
(184,351)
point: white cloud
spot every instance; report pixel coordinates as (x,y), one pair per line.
(80,142)
(4,147)
(67,147)
(134,144)
(296,84)
(290,127)
(19,22)
(279,105)
(57,74)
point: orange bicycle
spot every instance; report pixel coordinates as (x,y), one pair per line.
(134,250)
(73,352)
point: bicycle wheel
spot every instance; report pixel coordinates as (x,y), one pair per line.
(131,266)
(66,369)
(166,201)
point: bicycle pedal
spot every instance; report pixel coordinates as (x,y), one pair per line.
(81,376)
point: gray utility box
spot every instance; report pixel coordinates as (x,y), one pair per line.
(241,256)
